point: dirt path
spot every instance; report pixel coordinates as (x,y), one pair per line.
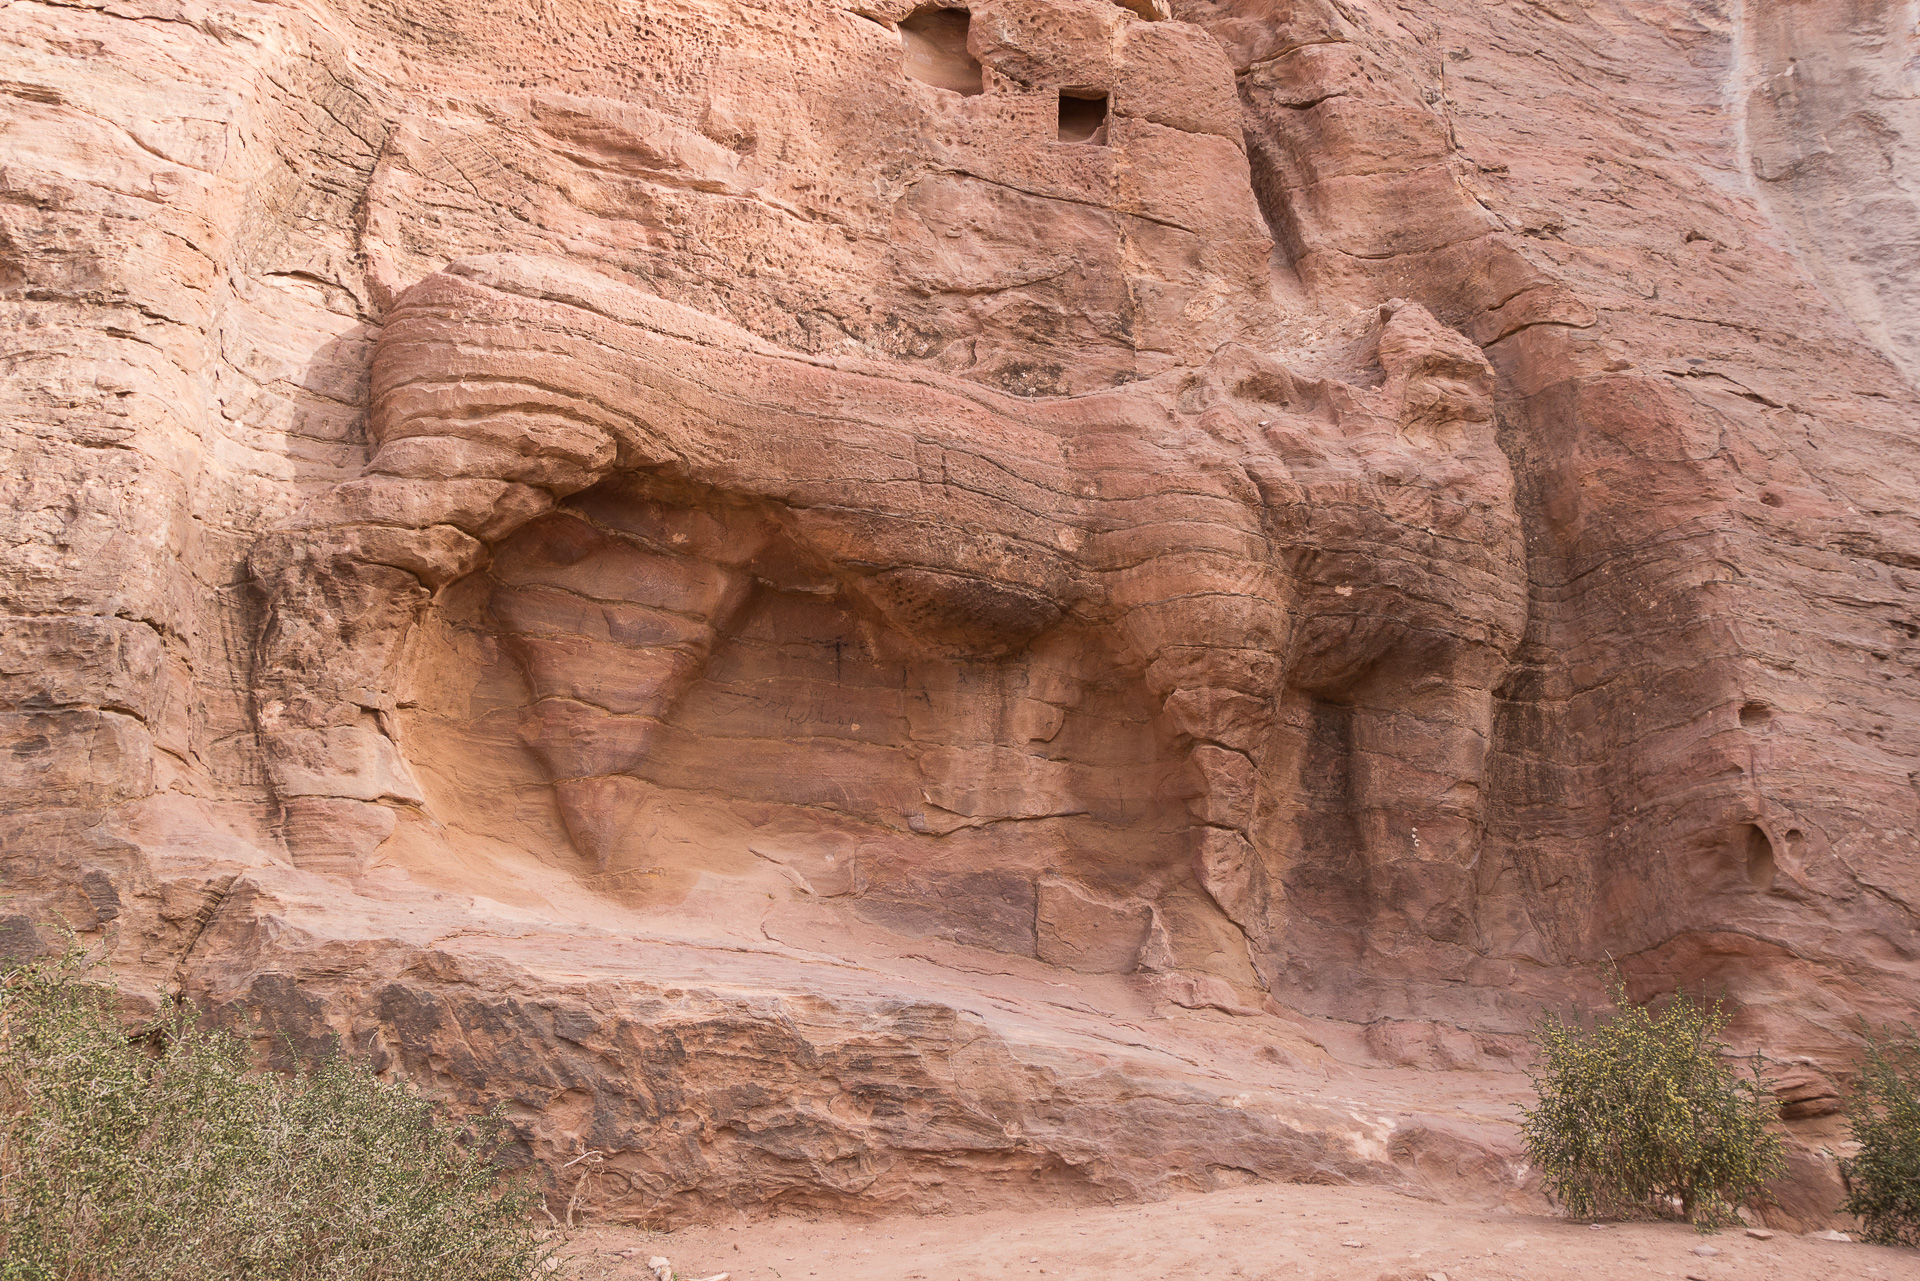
(1274,1232)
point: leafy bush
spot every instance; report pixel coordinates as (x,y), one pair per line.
(1883,1180)
(1642,1115)
(166,1156)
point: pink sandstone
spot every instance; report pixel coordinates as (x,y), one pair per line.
(889,608)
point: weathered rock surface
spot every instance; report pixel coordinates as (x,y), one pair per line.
(881,607)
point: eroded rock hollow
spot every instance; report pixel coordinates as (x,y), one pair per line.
(869,606)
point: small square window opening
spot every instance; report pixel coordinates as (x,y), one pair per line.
(1083,116)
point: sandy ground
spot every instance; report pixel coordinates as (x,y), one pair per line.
(1272,1232)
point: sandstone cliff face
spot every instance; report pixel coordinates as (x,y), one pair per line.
(883,606)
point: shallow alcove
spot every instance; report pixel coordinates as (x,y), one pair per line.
(936,43)
(1754,715)
(654,693)
(1759,858)
(1083,116)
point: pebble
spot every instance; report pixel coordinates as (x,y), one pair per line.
(1705,1251)
(1354,1245)
(1831,1235)
(1760,1234)
(1436,1276)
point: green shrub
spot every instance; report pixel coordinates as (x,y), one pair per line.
(165,1156)
(1642,1115)
(1883,1179)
